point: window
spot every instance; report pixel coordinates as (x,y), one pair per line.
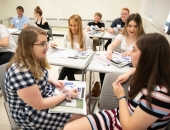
(157,12)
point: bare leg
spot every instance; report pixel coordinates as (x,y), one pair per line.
(79,124)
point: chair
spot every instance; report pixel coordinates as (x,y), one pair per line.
(14,125)
(107,98)
(50,34)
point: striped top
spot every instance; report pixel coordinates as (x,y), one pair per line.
(160,106)
(109,120)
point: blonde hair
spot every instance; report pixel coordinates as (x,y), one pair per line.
(24,52)
(76,18)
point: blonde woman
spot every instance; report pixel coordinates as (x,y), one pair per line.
(30,92)
(75,39)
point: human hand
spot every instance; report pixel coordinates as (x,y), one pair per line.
(127,53)
(53,45)
(74,92)
(58,84)
(118,90)
(80,49)
(109,54)
(110,30)
(123,78)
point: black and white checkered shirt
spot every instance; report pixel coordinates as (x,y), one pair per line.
(26,116)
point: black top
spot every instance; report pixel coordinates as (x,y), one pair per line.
(99,24)
(43,26)
(116,22)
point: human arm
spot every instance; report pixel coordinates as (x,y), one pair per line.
(87,28)
(102,27)
(88,43)
(55,83)
(26,23)
(138,120)
(111,48)
(127,53)
(4,41)
(124,77)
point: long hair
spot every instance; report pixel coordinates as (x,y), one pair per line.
(24,52)
(153,67)
(76,18)
(138,20)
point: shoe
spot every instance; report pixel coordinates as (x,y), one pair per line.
(95,91)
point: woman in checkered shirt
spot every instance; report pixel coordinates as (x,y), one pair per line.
(30,92)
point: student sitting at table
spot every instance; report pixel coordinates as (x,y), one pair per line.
(7,45)
(147,106)
(40,21)
(75,39)
(30,91)
(97,26)
(21,21)
(119,22)
(133,29)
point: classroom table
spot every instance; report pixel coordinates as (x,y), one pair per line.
(95,66)
(69,62)
(59,33)
(107,36)
(98,34)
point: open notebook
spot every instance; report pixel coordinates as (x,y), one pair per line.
(77,105)
(117,59)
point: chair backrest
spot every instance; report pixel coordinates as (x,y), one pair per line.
(107,98)
(14,125)
(50,34)
(2,77)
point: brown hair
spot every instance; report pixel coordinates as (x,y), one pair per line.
(76,18)
(138,20)
(24,52)
(20,8)
(38,10)
(98,14)
(126,10)
(153,67)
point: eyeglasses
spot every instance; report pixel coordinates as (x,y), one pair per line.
(44,45)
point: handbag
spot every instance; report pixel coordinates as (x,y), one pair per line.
(95,91)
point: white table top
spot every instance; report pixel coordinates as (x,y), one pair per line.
(13,30)
(99,34)
(68,62)
(96,66)
(108,35)
(59,33)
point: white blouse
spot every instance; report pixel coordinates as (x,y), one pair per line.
(124,47)
(86,39)
(5,33)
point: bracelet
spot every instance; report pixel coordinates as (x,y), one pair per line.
(67,93)
(121,97)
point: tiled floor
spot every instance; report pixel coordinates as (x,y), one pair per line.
(53,73)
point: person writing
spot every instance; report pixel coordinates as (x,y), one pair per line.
(148,102)
(7,45)
(21,21)
(30,92)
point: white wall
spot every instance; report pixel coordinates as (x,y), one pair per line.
(64,8)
